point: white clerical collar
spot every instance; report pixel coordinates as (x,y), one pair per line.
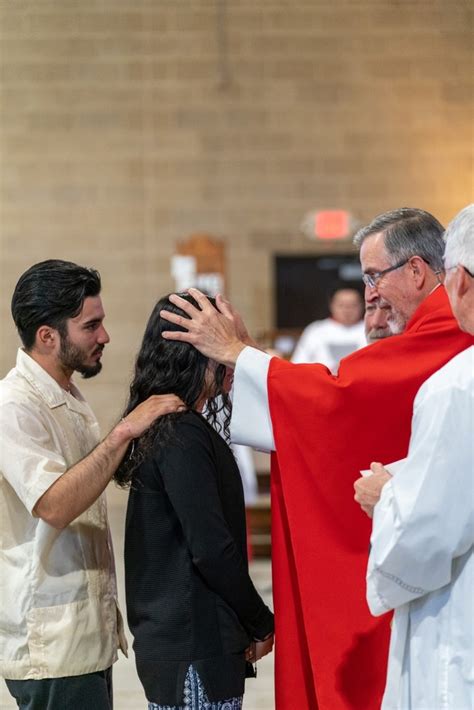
(434,289)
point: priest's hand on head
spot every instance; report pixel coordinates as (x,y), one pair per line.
(218,334)
(369,488)
(228,310)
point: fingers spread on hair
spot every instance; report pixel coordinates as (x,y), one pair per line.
(224,306)
(185,337)
(175,318)
(183,304)
(203,300)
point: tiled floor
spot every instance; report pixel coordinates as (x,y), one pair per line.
(128,693)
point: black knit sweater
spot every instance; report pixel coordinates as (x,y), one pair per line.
(189,595)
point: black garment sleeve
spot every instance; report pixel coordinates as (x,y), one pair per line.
(189,473)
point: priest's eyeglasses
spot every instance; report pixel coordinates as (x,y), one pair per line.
(371,280)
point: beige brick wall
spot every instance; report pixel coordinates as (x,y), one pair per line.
(127,125)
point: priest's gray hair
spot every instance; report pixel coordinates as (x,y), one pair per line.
(408,232)
(459,238)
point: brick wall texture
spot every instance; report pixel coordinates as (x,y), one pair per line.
(129,124)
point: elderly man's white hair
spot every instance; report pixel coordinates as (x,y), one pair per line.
(459,239)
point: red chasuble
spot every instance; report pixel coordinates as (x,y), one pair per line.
(331,653)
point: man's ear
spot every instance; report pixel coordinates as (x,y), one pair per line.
(419,270)
(462,282)
(46,338)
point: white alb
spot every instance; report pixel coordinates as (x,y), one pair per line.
(421,560)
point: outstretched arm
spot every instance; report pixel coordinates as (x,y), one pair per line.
(75,491)
(221,335)
(217,333)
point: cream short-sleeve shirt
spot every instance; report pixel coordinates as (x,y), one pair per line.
(58,596)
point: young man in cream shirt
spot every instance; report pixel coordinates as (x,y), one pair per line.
(60,626)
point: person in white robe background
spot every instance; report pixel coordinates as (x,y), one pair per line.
(421,560)
(245,461)
(328,341)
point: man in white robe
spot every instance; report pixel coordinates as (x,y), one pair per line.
(421,560)
(328,341)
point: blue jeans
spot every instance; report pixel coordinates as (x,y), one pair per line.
(91,690)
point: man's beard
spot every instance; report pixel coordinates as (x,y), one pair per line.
(378,334)
(72,357)
(396,321)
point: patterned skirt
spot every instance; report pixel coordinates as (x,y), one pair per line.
(195,697)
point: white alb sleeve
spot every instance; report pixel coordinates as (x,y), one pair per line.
(424,519)
(251,423)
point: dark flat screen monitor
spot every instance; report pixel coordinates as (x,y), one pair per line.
(304,283)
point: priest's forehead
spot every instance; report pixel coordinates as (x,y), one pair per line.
(373,253)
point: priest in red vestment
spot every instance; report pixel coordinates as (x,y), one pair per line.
(324,428)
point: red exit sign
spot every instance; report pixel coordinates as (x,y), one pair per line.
(332,224)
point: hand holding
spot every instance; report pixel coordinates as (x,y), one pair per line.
(369,488)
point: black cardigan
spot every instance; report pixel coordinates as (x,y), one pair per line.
(189,595)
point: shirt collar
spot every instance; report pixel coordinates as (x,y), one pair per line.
(46,386)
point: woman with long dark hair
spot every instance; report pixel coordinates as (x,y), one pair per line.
(196,617)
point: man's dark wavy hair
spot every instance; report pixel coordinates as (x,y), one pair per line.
(169,367)
(49,293)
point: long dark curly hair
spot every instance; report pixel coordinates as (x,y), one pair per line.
(170,367)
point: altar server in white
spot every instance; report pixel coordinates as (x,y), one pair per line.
(328,341)
(421,560)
